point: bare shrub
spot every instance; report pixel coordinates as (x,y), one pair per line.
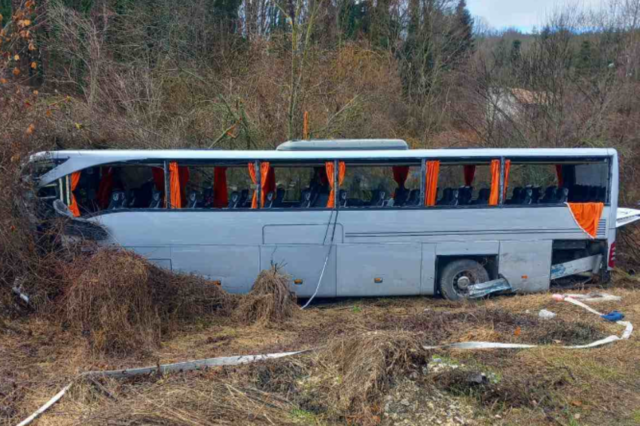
(270,300)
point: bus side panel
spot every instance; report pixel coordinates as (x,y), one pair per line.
(379,269)
(236,267)
(526,265)
(428,273)
(303,263)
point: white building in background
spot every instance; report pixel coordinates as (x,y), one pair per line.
(512,103)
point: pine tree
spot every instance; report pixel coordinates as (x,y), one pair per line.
(584,62)
(515,51)
(464,24)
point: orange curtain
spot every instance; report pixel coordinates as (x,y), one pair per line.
(179,176)
(73,205)
(254,179)
(267,181)
(431,192)
(342,168)
(587,216)
(495,183)
(507,167)
(106,187)
(469,173)
(220,193)
(559,174)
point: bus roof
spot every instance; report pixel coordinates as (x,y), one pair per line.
(82,159)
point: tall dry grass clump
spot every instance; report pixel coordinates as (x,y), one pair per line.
(123,304)
(270,300)
(365,366)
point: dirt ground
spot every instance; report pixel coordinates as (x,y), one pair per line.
(545,385)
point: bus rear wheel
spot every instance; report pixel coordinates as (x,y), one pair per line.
(458,275)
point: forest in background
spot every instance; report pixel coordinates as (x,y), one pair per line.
(242,74)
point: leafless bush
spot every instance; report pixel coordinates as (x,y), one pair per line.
(270,300)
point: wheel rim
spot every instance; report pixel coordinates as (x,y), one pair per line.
(463,280)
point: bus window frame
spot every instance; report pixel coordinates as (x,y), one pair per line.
(413,161)
(561,161)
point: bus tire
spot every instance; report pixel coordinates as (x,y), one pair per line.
(452,282)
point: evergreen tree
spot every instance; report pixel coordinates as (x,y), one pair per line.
(516,53)
(354,19)
(464,28)
(458,44)
(584,62)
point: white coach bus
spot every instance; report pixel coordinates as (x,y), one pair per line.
(350,217)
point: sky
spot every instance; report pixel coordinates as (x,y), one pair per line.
(521,14)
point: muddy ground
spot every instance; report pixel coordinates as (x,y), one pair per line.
(545,385)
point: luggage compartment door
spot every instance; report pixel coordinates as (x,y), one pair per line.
(526,264)
(379,269)
(303,263)
(236,267)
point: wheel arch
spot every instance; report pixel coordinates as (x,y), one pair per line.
(489,262)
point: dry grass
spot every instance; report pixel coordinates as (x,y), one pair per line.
(270,300)
(361,360)
(123,304)
(356,372)
(206,398)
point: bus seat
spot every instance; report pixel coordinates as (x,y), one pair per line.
(536,193)
(131,200)
(550,195)
(465,194)
(342,198)
(118,200)
(306,199)
(234,199)
(401,196)
(156,199)
(320,200)
(562,195)
(192,200)
(516,196)
(483,196)
(455,198)
(270,198)
(378,197)
(447,196)
(243,200)
(280,193)
(593,194)
(207,198)
(414,198)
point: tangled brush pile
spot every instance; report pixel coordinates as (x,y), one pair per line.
(269,301)
(124,304)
